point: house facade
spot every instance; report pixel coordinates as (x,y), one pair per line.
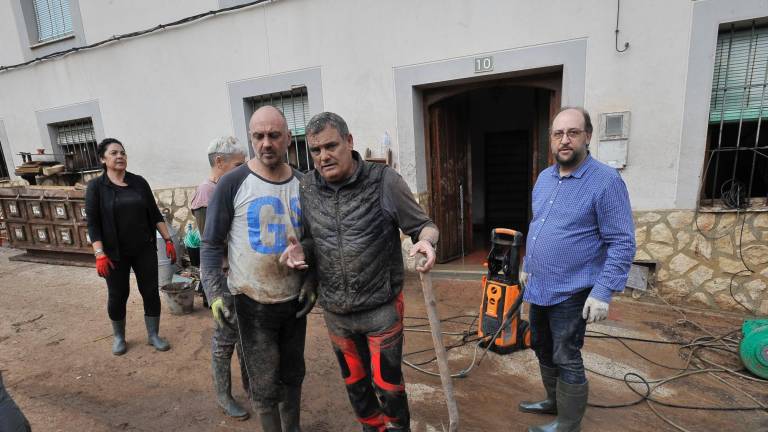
(461,94)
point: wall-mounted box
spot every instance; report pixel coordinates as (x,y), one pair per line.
(613,145)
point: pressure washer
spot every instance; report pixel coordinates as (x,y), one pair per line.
(501,325)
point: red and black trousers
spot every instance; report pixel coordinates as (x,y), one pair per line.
(369,348)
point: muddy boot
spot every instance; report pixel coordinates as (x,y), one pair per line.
(222,382)
(290,409)
(153,326)
(269,417)
(118,343)
(548,405)
(571,404)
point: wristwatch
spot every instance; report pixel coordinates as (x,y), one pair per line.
(97,252)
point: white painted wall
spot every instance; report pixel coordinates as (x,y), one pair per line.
(165,94)
(10,50)
(104,18)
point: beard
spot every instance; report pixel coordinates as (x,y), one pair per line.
(574,159)
(270,159)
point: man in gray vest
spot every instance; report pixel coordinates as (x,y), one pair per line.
(352,214)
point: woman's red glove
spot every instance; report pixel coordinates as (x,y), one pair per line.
(170,250)
(103,265)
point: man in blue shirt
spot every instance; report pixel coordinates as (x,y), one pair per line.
(579,250)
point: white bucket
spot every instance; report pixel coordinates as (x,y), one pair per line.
(165,268)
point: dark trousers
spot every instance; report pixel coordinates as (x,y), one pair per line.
(144,265)
(272,341)
(11,417)
(225,339)
(369,348)
(557,336)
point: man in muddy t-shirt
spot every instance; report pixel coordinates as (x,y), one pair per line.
(251,216)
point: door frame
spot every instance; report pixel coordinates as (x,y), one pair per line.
(551,80)
(412,80)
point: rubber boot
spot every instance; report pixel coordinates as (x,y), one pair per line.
(571,404)
(269,417)
(153,326)
(290,409)
(222,383)
(118,343)
(548,405)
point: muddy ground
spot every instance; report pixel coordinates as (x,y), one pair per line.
(56,361)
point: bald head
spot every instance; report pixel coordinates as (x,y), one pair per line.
(265,114)
(269,136)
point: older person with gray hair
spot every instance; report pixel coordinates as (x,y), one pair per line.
(224,154)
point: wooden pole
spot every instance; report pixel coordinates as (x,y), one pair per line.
(437,339)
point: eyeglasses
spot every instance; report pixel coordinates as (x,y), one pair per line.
(572,134)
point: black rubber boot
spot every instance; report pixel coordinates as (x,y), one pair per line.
(549,405)
(153,327)
(571,404)
(222,383)
(11,417)
(290,409)
(269,417)
(118,343)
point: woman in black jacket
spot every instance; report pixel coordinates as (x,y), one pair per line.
(122,219)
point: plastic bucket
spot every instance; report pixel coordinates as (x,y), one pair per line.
(165,268)
(179,296)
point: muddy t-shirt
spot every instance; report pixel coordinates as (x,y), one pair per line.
(250,219)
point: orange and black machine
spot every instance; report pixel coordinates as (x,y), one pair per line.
(501,324)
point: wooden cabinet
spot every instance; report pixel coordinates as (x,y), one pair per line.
(46,218)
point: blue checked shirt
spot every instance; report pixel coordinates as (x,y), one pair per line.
(581,235)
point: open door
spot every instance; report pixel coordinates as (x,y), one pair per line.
(448,175)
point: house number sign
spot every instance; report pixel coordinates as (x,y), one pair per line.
(483,64)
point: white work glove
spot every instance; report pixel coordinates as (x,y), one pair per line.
(594,310)
(523,277)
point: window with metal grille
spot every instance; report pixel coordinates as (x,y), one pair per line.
(77,142)
(3,166)
(295,106)
(53,19)
(736,166)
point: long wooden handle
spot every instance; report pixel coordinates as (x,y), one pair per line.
(442,358)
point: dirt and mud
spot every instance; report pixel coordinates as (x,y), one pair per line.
(55,341)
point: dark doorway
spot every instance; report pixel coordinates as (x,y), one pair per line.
(507,179)
(486,143)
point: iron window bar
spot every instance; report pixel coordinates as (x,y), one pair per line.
(4,172)
(78,140)
(733,103)
(294,105)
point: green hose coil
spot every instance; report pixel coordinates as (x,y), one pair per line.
(754,347)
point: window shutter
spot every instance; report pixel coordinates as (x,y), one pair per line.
(294,104)
(739,81)
(53,19)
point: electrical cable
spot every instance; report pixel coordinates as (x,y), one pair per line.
(135,34)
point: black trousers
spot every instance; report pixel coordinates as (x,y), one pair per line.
(272,340)
(144,265)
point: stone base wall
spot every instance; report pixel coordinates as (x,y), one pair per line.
(177,201)
(698,257)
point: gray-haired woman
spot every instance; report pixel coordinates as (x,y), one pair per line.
(224,154)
